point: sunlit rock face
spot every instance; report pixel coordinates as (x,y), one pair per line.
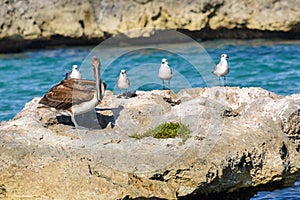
(34,23)
(241,140)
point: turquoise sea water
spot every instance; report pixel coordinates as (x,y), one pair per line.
(272,65)
(290,193)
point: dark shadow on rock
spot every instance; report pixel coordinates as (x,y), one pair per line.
(229,112)
(93,119)
(66,120)
(171,101)
(111,119)
(127,95)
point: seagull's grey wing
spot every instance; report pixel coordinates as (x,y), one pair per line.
(215,69)
(118,80)
(68,75)
(128,81)
(79,75)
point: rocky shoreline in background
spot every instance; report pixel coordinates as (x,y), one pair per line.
(241,141)
(36,24)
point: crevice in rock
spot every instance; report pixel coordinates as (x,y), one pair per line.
(291,127)
(214,7)
(19,44)
(155,17)
(284,153)
(142,198)
(158,177)
(81,22)
(238,33)
(171,101)
(143,1)
(228,112)
(3,191)
(90,169)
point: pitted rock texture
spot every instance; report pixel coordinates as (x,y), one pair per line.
(33,23)
(241,141)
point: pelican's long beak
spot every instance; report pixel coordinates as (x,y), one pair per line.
(99,85)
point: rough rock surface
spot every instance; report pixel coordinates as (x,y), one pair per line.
(34,23)
(242,140)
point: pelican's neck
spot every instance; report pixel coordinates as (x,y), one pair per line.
(98,80)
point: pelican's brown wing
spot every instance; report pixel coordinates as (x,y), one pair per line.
(68,92)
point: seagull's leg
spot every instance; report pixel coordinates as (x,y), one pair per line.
(224,81)
(219,81)
(126,94)
(163,83)
(169,83)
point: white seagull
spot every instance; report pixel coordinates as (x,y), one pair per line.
(165,72)
(222,68)
(123,82)
(74,74)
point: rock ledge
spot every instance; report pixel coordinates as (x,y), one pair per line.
(242,140)
(36,24)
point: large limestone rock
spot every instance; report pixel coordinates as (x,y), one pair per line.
(37,23)
(241,141)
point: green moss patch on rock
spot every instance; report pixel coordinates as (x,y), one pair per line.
(166,130)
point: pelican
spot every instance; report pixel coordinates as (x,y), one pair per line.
(74,73)
(76,96)
(165,72)
(222,68)
(123,81)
